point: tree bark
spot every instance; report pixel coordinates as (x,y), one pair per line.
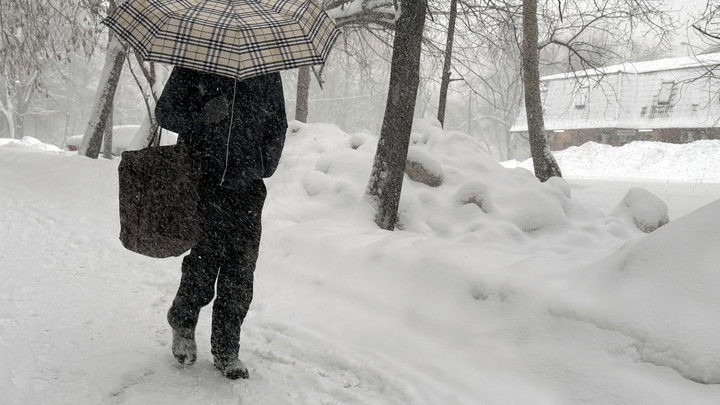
(108,135)
(6,106)
(544,163)
(303,94)
(386,178)
(92,140)
(445,82)
(22,107)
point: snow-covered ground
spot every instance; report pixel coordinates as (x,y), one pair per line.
(497,289)
(684,176)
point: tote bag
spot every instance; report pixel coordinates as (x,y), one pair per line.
(158,201)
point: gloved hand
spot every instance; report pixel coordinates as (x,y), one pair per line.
(216,110)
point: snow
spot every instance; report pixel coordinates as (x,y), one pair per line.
(657,65)
(29,144)
(357,7)
(656,276)
(696,161)
(123,139)
(497,289)
(647,211)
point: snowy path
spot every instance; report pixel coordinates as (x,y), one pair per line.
(82,321)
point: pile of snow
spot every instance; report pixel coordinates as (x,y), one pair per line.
(647,211)
(29,144)
(662,292)
(497,289)
(123,136)
(478,201)
(696,161)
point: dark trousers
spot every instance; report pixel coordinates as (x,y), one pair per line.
(226,255)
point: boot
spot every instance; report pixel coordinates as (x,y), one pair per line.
(232,368)
(183,347)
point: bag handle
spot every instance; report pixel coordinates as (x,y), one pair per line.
(155,140)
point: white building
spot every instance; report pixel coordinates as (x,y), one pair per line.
(669,100)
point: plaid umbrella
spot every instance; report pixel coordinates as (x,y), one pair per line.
(236,38)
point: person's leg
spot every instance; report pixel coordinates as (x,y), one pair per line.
(197,284)
(235,281)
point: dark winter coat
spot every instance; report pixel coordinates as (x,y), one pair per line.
(237,127)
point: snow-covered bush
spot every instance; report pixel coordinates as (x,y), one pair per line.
(646,210)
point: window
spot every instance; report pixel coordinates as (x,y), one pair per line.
(687,137)
(626,135)
(582,94)
(667,90)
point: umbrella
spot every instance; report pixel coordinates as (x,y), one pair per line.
(236,38)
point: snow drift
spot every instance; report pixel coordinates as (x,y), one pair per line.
(696,161)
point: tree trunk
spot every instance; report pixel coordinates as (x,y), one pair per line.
(469,116)
(108,135)
(21,109)
(385,182)
(145,135)
(303,94)
(15,104)
(92,139)
(508,144)
(445,82)
(9,121)
(149,127)
(6,108)
(543,161)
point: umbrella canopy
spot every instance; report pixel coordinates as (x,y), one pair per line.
(236,38)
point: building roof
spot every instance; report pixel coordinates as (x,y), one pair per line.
(649,66)
(665,93)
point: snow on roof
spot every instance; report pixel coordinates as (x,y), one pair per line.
(645,67)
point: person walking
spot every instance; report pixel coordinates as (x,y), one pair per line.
(224,98)
(235,130)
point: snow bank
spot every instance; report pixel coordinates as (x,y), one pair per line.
(123,136)
(478,200)
(489,284)
(29,144)
(696,161)
(662,292)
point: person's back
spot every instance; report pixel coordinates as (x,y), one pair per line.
(237,127)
